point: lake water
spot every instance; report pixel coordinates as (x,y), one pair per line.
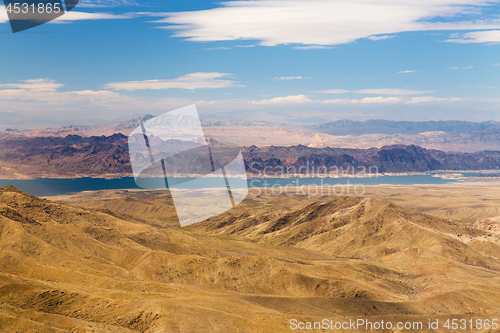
(50,187)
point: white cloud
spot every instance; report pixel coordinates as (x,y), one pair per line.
(394,92)
(303,99)
(366,100)
(287,78)
(80,16)
(3,15)
(42,95)
(375,38)
(495,65)
(405,72)
(190,82)
(380,100)
(298,99)
(453,67)
(44,85)
(489,37)
(469,67)
(427,99)
(321,22)
(54,97)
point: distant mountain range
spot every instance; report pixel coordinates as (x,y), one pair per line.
(442,135)
(350,127)
(108,156)
(124,127)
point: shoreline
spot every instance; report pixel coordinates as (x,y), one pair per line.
(109,176)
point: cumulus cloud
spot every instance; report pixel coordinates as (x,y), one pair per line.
(44,95)
(46,91)
(375,38)
(3,15)
(303,99)
(488,37)
(366,100)
(380,100)
(297,99)
(42,85)
(427,99)
(323,23)
(406,72)
(80,16)
(191,81)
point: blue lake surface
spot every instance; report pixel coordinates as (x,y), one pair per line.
(50,187)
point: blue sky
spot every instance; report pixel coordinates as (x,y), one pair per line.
(278,61)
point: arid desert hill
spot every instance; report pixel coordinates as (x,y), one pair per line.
(69,269)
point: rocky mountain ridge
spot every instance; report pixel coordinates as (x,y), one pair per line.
(98,156)
(379,126)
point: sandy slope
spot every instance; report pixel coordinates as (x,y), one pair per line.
(250,270)
(68,269)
